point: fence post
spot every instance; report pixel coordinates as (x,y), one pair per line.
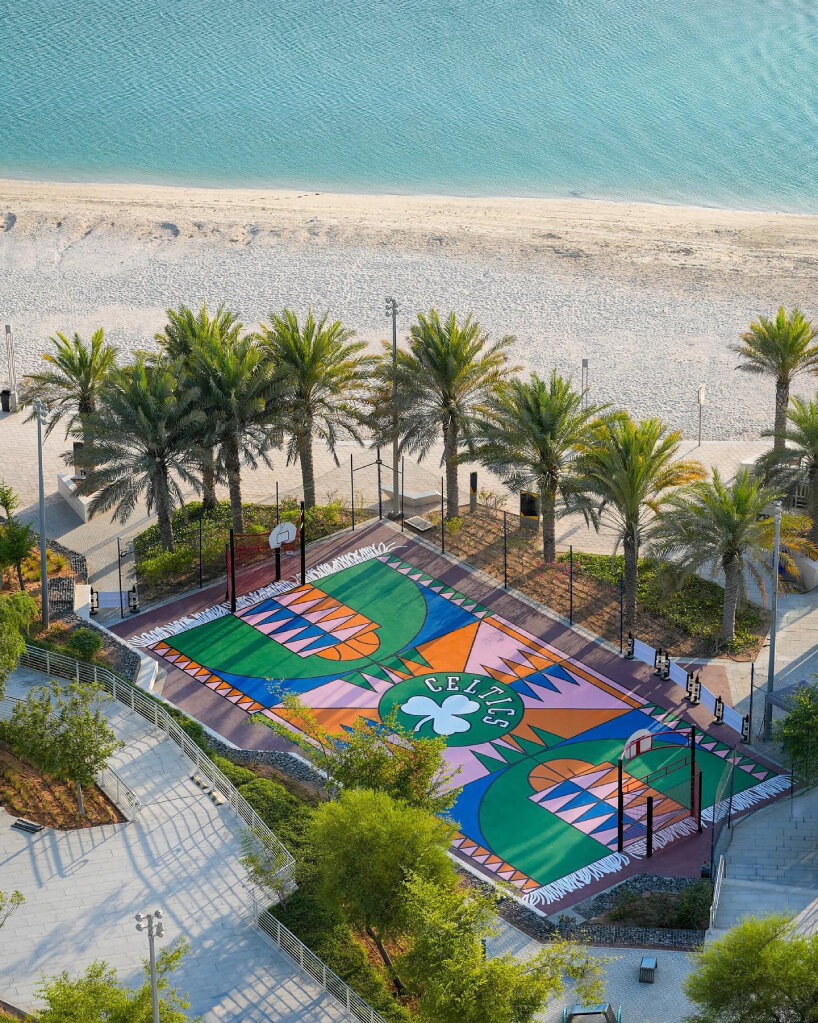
(380,496)
(505,550)
(621,611)
(649,836)
(132,700)
(347,994)
(620,800)
(156,715)
(442,521)
(113,686)
(752,687)
(352,489)
(47,663)
(571,584)
(324,975)
(201,567)
(77,670)
(277,518)
(95,674)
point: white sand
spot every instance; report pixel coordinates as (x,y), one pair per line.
(652,295)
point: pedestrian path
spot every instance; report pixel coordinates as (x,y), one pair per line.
(772,866)
(181,854)
(661,1002)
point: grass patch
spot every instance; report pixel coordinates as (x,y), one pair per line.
(694,609)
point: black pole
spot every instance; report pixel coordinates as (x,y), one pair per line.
(119,567)
(402,488)
(352,489)
(201,570)
(277,518)
(505,549)
(732,780)
(620,808)
(699,805)
(621,612)
(380,498)
(692,764)
(649,836)
(232,571)
(303,546)
(752,687)
(571,584)
(442,521)
(713,845)
(278,564)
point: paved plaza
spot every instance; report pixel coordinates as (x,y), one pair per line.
(181,854)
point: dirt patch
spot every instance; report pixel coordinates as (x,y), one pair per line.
(305,791)
(25,792)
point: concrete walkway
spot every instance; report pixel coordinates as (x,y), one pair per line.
(772,866)
(82,889)
(663,1001)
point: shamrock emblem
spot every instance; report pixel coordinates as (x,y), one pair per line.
(446,717)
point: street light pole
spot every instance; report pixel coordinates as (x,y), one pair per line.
(41,411)
(768,710)
(392,310)
(152,923)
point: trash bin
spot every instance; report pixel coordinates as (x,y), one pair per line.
(647,970)
(5,400)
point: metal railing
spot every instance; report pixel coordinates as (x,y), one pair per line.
(68,668)
(312,965)
(714,905)
(118,792)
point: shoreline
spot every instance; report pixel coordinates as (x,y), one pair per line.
(123,191)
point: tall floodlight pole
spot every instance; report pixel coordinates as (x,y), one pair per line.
(12,363)
(152,923)
(392,310)
(41,412)
(768,710)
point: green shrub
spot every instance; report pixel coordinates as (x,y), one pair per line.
(166,565)
(235,773)
(693,907)
(85,643)
(287,817)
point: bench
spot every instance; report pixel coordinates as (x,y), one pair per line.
(28,826)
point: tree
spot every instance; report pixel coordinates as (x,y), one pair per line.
(63,732)
(782,348)
(795,462)
(17,612)
(142,443)
(383,757)
(443,384)
(798,731)
(264,858)
(9,500)
(16,544)
(98,995)
(238,393)
(628,468)
(455,983)
(759,972)
(530,437)
(725,527)
(323,376)
(180,338)
(365,846)
(73,385)
(10,902)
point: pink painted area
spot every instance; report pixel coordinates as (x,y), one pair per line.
(343,694)
(470,767)
(585,695)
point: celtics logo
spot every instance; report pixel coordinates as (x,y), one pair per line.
(465,709)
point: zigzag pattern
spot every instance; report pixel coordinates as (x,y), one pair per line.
(207,678)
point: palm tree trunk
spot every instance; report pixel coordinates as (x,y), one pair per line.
(208,481)
(782,401)
(232,464)
(631,579)
(732,589)
(548,503)
(307,469)
(163,513)
(450,459)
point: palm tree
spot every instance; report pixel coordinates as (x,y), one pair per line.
(141,431)
(530,436)
(323,375)
(781,348)
(179,338)
(725,527)
(796,462)
(444,383)
(238,394)
(629,468)
(72,385)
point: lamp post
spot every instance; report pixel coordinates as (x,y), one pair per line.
(392,310)
(41,414)
(152,923)
(12,364)
(768,710)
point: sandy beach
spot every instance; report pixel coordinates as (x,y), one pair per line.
(651,295)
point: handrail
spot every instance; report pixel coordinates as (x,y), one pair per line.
(118,792)
(67,667)
(714,905)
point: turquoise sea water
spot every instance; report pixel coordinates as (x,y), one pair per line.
(695,101)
